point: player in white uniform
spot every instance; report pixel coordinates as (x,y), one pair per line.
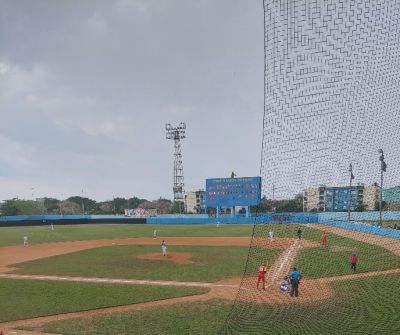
(155,233)
(25,240)
(164,248)
(271,234)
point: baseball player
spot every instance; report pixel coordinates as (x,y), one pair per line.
(324,239)
(271,235)
(262,269)
(155,233)
(353,261)
(295,277)
(25,241)
(164,248)
(299,233)
(285,285)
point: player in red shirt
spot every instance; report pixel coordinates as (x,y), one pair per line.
(353,261)
(262,269)
(324,239)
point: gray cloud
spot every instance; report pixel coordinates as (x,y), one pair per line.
(85,91)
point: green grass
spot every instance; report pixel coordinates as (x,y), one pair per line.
(22,299)
(44,234)
(210,263)
(368,306)
(335,259)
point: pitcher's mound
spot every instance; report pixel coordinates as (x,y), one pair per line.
(177,257)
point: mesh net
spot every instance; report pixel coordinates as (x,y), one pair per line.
(331,99)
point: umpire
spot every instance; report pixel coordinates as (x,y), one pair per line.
(295,277)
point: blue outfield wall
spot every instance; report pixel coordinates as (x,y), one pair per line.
(359,223)
(255,218)
(331,219)
(40,220)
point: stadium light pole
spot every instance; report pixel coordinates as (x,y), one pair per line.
(83,205)
(351,181)
(61,200)
(383,169)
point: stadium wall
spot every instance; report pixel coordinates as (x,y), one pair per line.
(42,220)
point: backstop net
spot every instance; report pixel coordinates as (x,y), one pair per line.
(332,100)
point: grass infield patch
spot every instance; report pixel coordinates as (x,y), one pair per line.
(209,263)
(23,299)
(334,259)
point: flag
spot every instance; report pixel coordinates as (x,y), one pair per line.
(351,172)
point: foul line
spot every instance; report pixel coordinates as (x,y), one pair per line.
(114,281)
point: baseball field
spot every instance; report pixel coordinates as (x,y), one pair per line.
(113,279)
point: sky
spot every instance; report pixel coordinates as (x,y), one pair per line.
(87,87)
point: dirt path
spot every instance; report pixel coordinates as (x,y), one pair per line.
(390,244)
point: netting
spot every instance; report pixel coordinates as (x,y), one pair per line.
(331,98)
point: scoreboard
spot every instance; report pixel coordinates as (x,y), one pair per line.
(228,192)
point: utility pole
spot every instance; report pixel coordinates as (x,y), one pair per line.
(383,169)
(351,181)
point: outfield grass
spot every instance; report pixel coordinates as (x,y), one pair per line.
(368,306)
(210,263)
(334,260)
(44,234)
(22,299)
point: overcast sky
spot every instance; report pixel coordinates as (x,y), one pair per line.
(87,87)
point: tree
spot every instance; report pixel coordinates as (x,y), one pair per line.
(264,206)
(360,207)
(177,207)
(88,204)
(51,205)
(69,207)
(291,205)
(19,207)
(9,207)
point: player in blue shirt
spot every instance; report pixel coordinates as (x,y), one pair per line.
(295,277)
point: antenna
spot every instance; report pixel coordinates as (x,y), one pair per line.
(177,133)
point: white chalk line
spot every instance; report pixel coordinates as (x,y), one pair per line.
(114,281)
(283,262)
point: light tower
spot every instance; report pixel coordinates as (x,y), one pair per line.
(176,134)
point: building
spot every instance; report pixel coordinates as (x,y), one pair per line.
(190,203)
(372,196)
(201,201)
(195,202)
(339,199)
(391,195)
